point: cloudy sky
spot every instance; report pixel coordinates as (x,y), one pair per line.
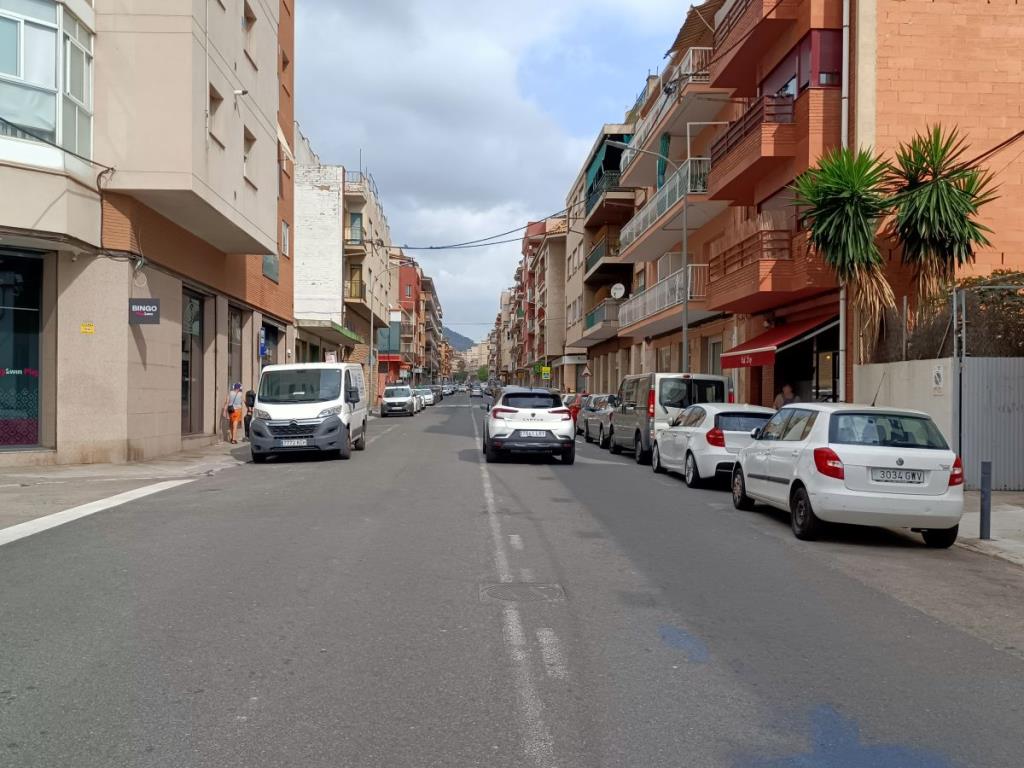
(472,116)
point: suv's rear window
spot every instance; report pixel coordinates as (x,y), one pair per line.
(532,400)
(888,430)
(741,422)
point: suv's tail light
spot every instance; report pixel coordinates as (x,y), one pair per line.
(956,474)
(650,403)
(563,412)
(715,437)
(732,397)
(828,463)
(496,413)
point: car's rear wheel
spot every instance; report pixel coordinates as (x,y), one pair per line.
(806,525)
(602,441)
(490,452)
(656,460)
(940,538)
(612,445)
(569,454)
(740,500)
(691,474)
(639,454)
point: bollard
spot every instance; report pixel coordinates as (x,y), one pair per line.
(986,501)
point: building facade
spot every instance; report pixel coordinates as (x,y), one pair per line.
(145,263)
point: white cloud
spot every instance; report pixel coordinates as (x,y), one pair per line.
(429,92)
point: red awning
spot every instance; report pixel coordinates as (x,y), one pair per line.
(761,350)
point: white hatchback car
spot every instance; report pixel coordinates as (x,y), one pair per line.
(854,464)
(528,420)
(702,441)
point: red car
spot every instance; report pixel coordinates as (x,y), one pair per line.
(574,403)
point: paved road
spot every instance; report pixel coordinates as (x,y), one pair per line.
(325,613)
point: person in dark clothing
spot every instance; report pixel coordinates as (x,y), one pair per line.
(250,403)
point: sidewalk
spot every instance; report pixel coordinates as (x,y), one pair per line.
(27,493)
(1007,540)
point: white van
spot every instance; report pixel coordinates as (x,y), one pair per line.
(647,402)
(309,407)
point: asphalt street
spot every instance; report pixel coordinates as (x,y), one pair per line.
(414,606)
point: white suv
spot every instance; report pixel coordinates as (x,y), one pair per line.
(854,464)
(525,420)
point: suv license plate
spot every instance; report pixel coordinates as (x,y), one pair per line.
(294,443)
(897,475)
(533,433)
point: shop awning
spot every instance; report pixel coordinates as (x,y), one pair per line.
(761,350)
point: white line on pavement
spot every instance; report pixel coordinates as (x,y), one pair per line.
(515,540)
(551,652)
(372,440)
(40,524)
(537,741)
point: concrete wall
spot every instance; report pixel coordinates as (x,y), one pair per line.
(925,385)
(50,197)
(318,248)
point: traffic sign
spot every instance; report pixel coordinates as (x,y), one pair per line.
(545,373)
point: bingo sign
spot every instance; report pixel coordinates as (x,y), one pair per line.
(143,311)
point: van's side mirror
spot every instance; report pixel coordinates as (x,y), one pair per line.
(755,433)
(352,395)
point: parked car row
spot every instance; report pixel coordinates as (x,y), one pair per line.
(820,462)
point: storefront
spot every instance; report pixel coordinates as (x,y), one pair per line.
(802,353)
(21,281)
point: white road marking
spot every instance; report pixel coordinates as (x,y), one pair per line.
(551,652)
(374,438)
(40,524)
(516,541)
(537,742)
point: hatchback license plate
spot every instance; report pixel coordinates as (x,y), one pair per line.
(532,433)
(294,443)
(897,475)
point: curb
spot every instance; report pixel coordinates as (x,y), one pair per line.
(985,548)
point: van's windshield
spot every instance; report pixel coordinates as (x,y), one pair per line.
(397,392)
(300,385)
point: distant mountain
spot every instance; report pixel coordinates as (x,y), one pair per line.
(459,342)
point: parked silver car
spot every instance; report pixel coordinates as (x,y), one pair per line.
(594,418)
(397,401)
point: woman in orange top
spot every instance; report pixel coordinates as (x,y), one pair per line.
(233,410)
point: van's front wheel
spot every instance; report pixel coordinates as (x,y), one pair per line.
(345,452)
(360,444)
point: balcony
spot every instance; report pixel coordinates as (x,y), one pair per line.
(408,330)
(600,323)
(680,96)
(759,142)
(753,29)
(762,265)
(353,237)
(608,202)
(658,309)
(355,289)
(658,225)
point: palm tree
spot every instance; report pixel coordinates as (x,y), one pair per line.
(935,199)
(842,202)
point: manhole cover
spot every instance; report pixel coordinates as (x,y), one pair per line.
(522,592)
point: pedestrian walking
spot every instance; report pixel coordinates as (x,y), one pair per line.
(250,403)
(785,397)
(233,410)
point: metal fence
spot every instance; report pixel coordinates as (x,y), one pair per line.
(664,294)
(990,411)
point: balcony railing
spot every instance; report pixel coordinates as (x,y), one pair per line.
(766,109)
(691,178)
(353,235)
(768,238)
(727,24)
(692,69)
(606,246)
(605,312)
(609,181)
(664,294)
(408,329)
(355,289)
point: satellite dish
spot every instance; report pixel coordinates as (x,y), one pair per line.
(618,291)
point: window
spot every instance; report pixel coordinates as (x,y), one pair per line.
(799,425)
(408,291)
(76,119)
(192,363)
(248,30)
(216,100)
(532,400)
(741,422)
(694,416)
(28,68)
(21,296)
(286,239)
(248,146)
(301,385)
(888,430)
(234,345)
(714,366)
(776,425)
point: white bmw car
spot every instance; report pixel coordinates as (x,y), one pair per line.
(703,440)
(855,464)
(529,421)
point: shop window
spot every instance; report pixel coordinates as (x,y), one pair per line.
(234,345)
(21,280)
(192,365)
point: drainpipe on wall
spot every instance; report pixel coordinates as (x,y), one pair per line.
(844,133)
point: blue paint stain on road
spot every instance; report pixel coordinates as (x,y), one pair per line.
(674,637)
(835,743)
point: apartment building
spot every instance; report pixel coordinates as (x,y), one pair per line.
(430,311)
(597,280)
(145,262)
